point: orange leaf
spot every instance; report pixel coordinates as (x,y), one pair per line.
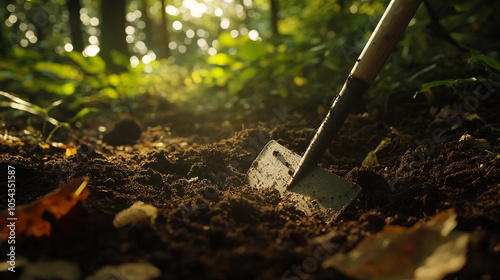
(70,151)
(30,216)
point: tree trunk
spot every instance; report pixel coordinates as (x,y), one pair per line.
(113,30)
(5,45)
(165,35)
(148,30)
(74,7)
(274,17)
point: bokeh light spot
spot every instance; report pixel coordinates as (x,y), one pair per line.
(24,43)
(177,25)
(253,35)
(212,51)
(218,12)
(91,50)
(12,19)
(93,40)
(146,59)
(134,61)
(68,47)
(94,21)
(171,10)
(202,43)
(129,30)
(224,23)
(11,8)
(23,26)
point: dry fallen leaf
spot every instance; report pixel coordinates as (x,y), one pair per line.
(477,143)
(427,251)
(68,149)
(48,270)
(136,213)
(30,217)
(371,159)
(136,271)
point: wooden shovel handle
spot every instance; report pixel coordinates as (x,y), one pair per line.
(380,45)
(384,38)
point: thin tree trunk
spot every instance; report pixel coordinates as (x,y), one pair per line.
(165,35)
(113,30)
(5,45)
(6,42)
(148,30)
(274,17)
(74,7)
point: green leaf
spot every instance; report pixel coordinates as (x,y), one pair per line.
(247,74)
(82,113)
(221,59)
(120,59)
(54,104)
(237,66)
(66,89)
(109,92)
(15,99)
(225,40)
(425,70)
(29,109)
(91,65)
(217,72)
(58,70)
(320,49)
(251,50)
(114,80)
(488,60)
(449,83)
(235,86)
(25,53)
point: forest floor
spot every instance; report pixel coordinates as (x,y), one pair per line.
(212,225)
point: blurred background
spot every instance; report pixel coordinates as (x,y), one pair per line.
(141,57)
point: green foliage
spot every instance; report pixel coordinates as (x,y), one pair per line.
(486,76)
(302,67)
(24,106)
(492,64)
(91,65)
(452,83)
(19,104)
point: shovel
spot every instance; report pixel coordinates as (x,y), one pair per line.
(313,189)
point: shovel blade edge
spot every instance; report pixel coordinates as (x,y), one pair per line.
(319,191)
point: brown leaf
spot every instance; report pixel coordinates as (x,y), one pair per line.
(425,251)
(136,213)
(477,143)
(371,159)
(136,271)
(30,216)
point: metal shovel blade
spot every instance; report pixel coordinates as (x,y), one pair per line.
(319,191)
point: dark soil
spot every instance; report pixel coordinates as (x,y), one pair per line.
(212,225)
